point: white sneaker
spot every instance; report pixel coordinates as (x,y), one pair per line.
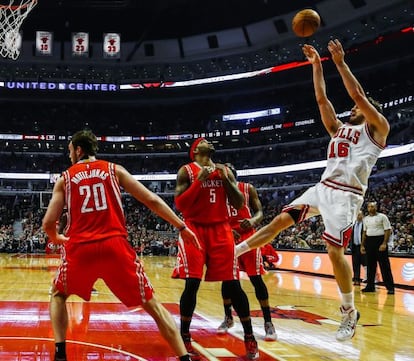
(225,325)
(348,324)
(271,334)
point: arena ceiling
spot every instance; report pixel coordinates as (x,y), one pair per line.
(156,19)
(250,34)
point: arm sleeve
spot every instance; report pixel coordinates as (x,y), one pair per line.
(386,223)
(187,198)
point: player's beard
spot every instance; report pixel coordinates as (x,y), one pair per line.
(356,119)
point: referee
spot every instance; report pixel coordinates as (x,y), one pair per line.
(375,235)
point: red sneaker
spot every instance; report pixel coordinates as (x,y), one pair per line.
(252,351)
(194,355)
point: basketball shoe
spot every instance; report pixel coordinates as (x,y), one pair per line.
(59,358)
(194,355)
(225,325)
(348,324)
(271,334)
(252,351)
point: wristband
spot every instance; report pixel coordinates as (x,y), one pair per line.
(182,228)
(242,248)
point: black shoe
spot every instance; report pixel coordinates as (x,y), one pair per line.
(368,289)
(390,292)
(60,358)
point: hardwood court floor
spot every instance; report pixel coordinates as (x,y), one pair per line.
(304,310)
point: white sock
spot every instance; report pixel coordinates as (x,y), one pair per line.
(242,248)
(348,300)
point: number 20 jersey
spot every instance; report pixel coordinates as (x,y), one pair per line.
(93,198)
(352,153)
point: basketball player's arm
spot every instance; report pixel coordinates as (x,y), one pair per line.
(377,123)
(256,206)
(154,202)
(185,192)
(235,197)
(53,213)
(326,109)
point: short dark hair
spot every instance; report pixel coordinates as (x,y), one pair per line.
(86,140)
(377,105)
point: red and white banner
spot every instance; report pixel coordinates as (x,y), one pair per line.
(111,46)
(44,41)
(80,44)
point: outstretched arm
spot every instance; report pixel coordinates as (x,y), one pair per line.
(326,109)
(155,203)
(377,123)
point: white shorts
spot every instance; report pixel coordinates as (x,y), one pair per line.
(338,209)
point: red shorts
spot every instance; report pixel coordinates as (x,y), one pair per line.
(251,262)
(217,254)
(113,260)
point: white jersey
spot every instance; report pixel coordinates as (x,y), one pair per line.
(352,153)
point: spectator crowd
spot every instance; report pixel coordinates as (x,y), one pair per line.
(20,220)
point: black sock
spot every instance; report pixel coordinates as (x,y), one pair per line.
(247,327)
(185,358)
(60,349)
(227,311)
(266,313)
(185,327)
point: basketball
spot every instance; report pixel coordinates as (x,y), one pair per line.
(305,23)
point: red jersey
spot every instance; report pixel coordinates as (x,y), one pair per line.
(243,213)
(210,205)
(93,198)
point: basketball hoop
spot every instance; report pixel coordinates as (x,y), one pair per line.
(11,19)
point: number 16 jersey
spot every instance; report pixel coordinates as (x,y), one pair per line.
(352,153)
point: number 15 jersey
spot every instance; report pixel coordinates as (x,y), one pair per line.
(93,199)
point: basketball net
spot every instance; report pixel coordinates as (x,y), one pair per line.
(11,19)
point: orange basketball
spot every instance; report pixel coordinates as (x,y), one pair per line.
(305,23)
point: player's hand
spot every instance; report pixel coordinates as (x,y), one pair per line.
(189,236)
(236,235)
(246,223)
(337,51)
(205,173)
(362,248)
(311,54)
(60,239)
